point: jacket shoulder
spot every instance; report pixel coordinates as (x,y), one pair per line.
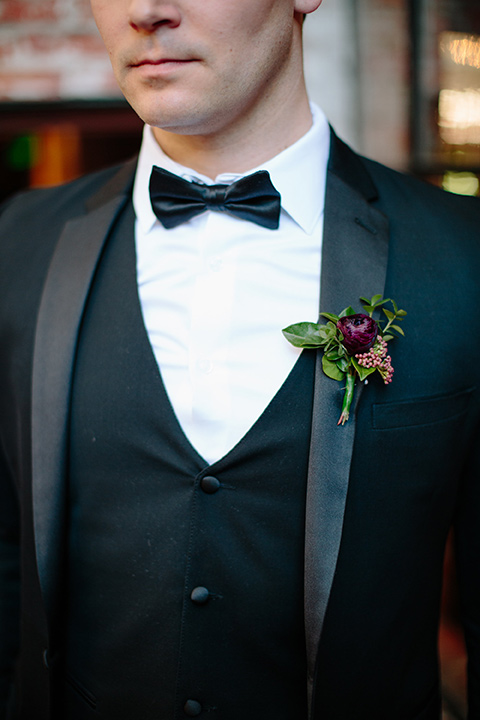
(67,200)
(401,193)
(397,194)
(32,221)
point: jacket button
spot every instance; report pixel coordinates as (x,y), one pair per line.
(210,484)
(192,708)
(200,595)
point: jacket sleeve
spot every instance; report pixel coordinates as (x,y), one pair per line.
(467,540)
(9,585)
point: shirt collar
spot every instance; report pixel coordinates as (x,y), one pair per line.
(299,174)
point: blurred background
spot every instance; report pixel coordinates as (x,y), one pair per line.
(398,79)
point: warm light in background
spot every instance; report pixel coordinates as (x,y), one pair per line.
(461,183)
(56,157)
(459,95)
(459,116)
(462,49)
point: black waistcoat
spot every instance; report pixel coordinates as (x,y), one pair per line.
(185,582)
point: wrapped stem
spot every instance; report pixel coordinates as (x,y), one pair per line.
(348,396)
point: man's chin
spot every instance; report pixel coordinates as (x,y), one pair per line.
(182,119)
(154,109)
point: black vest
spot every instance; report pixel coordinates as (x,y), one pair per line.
(185,582)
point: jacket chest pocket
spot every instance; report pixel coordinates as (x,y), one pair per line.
(418,446)
(421,412)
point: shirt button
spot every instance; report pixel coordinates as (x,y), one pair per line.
(192,708)
(200,595)
(210,484)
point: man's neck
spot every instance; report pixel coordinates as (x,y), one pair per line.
(244,146)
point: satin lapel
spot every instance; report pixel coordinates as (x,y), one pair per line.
(58,322)
(354,260)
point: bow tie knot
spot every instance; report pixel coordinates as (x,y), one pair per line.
(253,198)
(215,196)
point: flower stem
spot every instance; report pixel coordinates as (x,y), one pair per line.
(348,396)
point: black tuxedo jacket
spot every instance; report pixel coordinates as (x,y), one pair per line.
(383,490)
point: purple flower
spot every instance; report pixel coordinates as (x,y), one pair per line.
(359,333)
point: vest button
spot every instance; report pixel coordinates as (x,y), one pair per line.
(192,708)
(210,484)
(199,595)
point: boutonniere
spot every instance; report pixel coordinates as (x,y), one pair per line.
(354,344)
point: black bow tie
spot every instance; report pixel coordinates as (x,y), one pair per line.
(253,198)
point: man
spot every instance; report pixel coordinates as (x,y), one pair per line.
(185,528)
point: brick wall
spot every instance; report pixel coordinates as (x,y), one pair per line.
(51,49)
(331,68)
(384,90)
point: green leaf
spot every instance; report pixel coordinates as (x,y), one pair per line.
(365,300)
(376,299)
(343,364)
(348,311)
(326,333)
(398,329)
(368,309)
(330,316)
(388,337)
(401,313)
(363,372)
(332,355)
(304,335)
(331,370)
(390,315)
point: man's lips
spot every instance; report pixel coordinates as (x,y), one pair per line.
(158,68)
(154,62)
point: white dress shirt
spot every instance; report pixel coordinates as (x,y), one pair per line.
(216,291)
